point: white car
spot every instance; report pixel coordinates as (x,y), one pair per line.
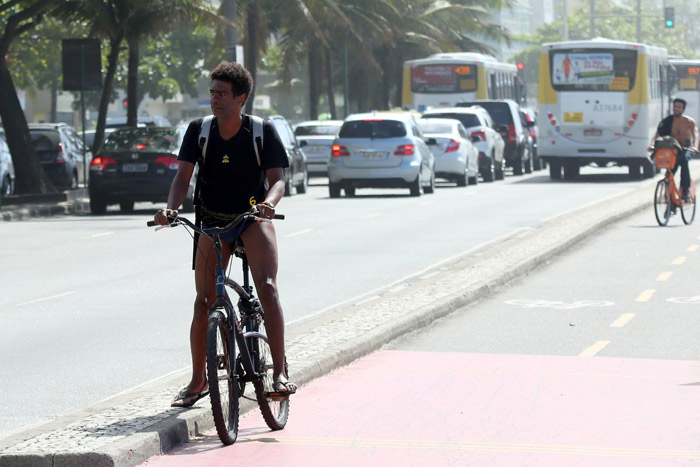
(315,138)
(456,158)
(7,169)
(481,129)
(380,150)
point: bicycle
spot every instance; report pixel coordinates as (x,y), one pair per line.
(667,197)
(237,346)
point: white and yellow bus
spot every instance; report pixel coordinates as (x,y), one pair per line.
(687,86)
(599,102)
(444,79)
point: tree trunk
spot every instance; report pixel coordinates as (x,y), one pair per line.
(329,84)
(106,92)
(314,88)
(30,177)
(54,91)
(132,85)
(251,53)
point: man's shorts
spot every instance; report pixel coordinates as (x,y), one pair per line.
(233,235)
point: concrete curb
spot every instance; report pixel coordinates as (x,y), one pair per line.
(363,329)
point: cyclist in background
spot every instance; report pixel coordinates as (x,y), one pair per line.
(684,130)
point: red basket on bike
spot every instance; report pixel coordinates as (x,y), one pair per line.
(665,158)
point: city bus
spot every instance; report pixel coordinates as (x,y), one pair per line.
(599,102)
(444,79)
(687,86)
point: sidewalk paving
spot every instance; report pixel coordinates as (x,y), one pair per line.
(127,429)
(22,207)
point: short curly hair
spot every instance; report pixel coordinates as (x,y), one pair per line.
(236,74)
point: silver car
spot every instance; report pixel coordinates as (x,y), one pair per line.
(381,150)
(315,139)
(456,158)
(7,169)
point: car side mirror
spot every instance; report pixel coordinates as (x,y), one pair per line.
(431,142)
(530,124)
(303,143)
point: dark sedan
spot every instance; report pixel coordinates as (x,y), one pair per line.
(136,164)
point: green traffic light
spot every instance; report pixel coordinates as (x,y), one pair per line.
(669,23)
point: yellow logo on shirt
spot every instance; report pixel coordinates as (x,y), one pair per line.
(252,201)
(225,159)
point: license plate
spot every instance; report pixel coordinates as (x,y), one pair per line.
(135,167)
(593,132)
(316,149)
(373,154)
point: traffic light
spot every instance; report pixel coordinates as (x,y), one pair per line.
(125,104)
(521,66)
(669,13)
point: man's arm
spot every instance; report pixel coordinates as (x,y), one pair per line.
(275,180)
(177,194)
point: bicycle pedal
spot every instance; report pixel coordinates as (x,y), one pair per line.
(277,397)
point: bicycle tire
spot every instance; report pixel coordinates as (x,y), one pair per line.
(688,211)
(223,388)
(662,206)
(275,411)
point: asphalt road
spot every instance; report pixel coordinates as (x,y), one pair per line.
(591,360)
(93,306)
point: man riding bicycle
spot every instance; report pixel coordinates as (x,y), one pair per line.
(232,180)
(684,130)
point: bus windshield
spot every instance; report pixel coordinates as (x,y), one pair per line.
(688,77)
(593,69)
(443,78)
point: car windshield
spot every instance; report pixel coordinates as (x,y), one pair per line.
(142,139)
(316,130)
(468,120)
(373,129)
(499,111)
(429,126)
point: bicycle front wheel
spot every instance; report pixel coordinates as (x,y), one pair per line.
(688,210)
(662,203)
(275,410)
(223,385)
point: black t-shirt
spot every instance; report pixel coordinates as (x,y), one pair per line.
(231,180)
(666,126)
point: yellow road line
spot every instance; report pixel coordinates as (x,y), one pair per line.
(645,296)
(439,445)
(693,248)
(664,276)
(679,260)
(622,320)
(594,349)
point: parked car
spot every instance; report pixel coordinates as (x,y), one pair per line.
(136,164)
(61,153)
(144,120)
(296,176)
(380,150)
(7,168)
(483,134)
(456,158)
(506,115)
(531,117)
(315,139)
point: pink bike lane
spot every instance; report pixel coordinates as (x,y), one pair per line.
(422,408)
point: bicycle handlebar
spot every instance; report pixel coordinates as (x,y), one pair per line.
(177,220)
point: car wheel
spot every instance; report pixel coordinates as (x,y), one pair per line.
(518,165)
(462,179)
(301,188)
(487,170)
(473,180)
(349,191)
(528,163)
(74,180)
(430,189)
(288,187)
(417,186)
(536,163)
(97,205)
(498,169)
(7,186)
(126,206)
(334,190)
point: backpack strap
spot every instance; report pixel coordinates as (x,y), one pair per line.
(204,136)
(258,138)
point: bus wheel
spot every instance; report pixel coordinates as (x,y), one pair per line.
(635,172)
(555,170)
(571,171)
(648,168)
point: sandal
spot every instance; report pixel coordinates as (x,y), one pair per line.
(184,400)
(282,389)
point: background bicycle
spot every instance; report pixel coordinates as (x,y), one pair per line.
(667,196)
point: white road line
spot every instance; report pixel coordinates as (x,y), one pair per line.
(47,298)
(301,232)
(645,296)
(679,260)
(370,216)
(692,248)
(496,240)
(594,349)
(103,234)
(622,320)
(664,276)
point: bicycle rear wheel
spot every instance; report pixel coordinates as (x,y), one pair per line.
(275,410)
(688,209)
(223,385)
(662,205)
